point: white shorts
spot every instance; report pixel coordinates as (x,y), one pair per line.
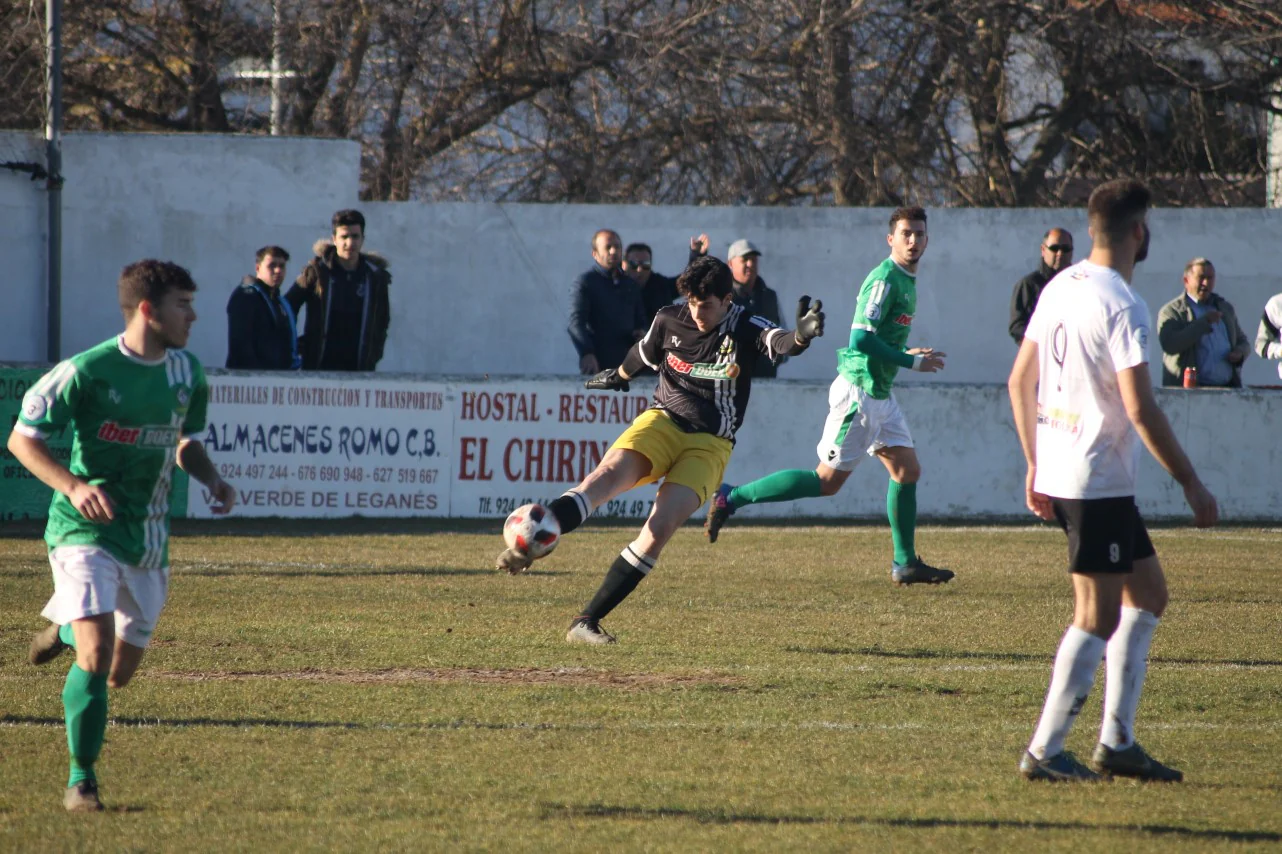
(88,581)
(858,424)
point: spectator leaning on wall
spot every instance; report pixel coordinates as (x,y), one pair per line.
(1057,253)
(1199,329)
(346,295)
(261,334)
(1268,340)
(606,312)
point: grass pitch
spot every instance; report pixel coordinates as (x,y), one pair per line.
(362,686)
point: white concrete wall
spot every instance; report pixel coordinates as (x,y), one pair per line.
(483,288)
(972,465)
(207,202)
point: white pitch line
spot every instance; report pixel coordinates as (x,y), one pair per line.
(741,726)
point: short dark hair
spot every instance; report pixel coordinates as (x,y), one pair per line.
(150,280)
(914,212)
(600,231)
(348,217)
(705,277)
(639,247)
(1115,206)
(274,251)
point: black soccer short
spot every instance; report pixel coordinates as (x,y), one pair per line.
(1104,534)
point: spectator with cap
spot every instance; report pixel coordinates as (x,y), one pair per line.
(1057,254)
(750,290)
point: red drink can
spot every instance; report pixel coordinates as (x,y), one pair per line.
(1190,377)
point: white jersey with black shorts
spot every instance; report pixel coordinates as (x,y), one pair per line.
(1089,325)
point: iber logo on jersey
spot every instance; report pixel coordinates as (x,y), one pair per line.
(143,437)
(110,431)
(904,320)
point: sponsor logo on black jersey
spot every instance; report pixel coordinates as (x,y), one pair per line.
(702,370)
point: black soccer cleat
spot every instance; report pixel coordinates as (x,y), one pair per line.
(917,571)
(1133,762)
(1063,767)
(46,645)
(719,512)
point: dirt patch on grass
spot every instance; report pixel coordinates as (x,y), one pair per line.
(473,675)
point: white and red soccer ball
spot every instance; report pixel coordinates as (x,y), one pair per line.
(532,530)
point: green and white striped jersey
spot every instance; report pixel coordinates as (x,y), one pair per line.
(126,416)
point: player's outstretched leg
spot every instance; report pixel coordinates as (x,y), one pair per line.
(786,485)
(47,644)
(570,510)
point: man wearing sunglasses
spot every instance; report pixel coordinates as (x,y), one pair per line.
(1057,253)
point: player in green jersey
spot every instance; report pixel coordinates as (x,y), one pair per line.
(863,415)
(134,405)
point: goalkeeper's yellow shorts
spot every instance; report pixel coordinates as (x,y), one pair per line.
(696,460)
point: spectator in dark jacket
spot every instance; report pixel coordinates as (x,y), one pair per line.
(261,334)
(346,294)
(751,292)
(1057,253)
(607,315)
(657,290)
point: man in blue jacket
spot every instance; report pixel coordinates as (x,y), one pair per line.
(607,315)
(261,332)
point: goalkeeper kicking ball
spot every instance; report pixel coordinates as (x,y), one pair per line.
(532,530)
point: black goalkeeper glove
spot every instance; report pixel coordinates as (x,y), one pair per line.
(810,319)
(607,380)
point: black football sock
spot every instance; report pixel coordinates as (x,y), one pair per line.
(570,510)
(627,571)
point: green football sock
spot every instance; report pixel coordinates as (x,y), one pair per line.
(901,508)
(786,485)
(84,698)
(66,635)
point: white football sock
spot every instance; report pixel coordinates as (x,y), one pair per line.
(1074,672)
(1127,664)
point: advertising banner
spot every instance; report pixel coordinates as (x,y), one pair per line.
(309,446)
(525,442)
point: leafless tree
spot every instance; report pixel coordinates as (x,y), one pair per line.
(774,102)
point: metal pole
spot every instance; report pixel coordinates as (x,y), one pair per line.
(53,165)
(277,102)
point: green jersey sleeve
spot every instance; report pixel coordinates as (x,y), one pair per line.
(876,295)
(198,411)
(50,404)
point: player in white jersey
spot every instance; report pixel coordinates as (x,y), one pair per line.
(1080,384)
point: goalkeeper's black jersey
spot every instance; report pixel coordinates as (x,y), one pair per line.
(705,377)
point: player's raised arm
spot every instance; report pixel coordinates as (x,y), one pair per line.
(193,459)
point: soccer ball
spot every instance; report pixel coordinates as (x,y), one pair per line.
(532,530)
